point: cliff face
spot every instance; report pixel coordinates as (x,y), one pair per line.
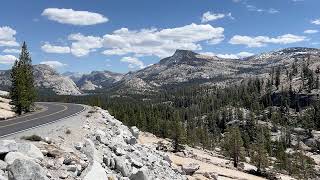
(47,78)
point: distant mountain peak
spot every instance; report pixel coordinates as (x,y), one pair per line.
(98,79)
(180,57)
(184,53)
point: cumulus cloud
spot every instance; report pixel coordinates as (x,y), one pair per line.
(316,21)
(160,42)
(133,62)
(47,47)
(210,16)
(53,64)
(70,16)
(83,45)
(7,59)
(260,41)
(310,31)
(16,51)
(229,56)
(7,37)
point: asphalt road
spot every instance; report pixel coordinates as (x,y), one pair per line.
(50,113)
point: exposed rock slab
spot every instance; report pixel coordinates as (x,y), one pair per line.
(24,169)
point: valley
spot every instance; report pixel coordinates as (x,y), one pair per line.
(270,101)
(160,90)
(214,118)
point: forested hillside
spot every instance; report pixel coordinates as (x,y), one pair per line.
(276,127)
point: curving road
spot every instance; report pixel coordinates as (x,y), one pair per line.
(50,113)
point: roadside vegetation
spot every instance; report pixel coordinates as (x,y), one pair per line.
(22,92)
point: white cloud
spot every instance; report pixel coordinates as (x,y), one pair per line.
(83,45)
(133,62)
(229,56)
(16,51)
(160,42)
(80,45)
(7,59)
(208,53)
(260,41)
(53,64)
(272,11)
(47,47)
(7,37)
(70,16)
(244,54)
(255,9)
(209,16)
(316,21)
(310,31)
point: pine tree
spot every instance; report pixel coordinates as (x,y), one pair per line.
(178,134)
(277,80)
(260,155)
(294,69)
(282,162)
(16,87)
(23,93)
(302,165)
(317,83)
(233,144)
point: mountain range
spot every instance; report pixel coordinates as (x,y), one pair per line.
(182,67)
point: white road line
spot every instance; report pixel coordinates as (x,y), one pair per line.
(30,114)
(65,108)
(84,108)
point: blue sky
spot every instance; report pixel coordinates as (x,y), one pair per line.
(127,35)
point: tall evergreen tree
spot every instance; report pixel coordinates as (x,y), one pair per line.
(16,87)
(178,135)
(260,155)
(23,93)
(233,144)
(278,74)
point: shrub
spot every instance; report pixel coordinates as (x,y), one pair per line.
(68,131)
(33,137)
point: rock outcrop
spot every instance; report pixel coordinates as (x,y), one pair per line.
(26,169)
(123,157)
(6,109)
(189,169)
(46,78)
(109,151)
